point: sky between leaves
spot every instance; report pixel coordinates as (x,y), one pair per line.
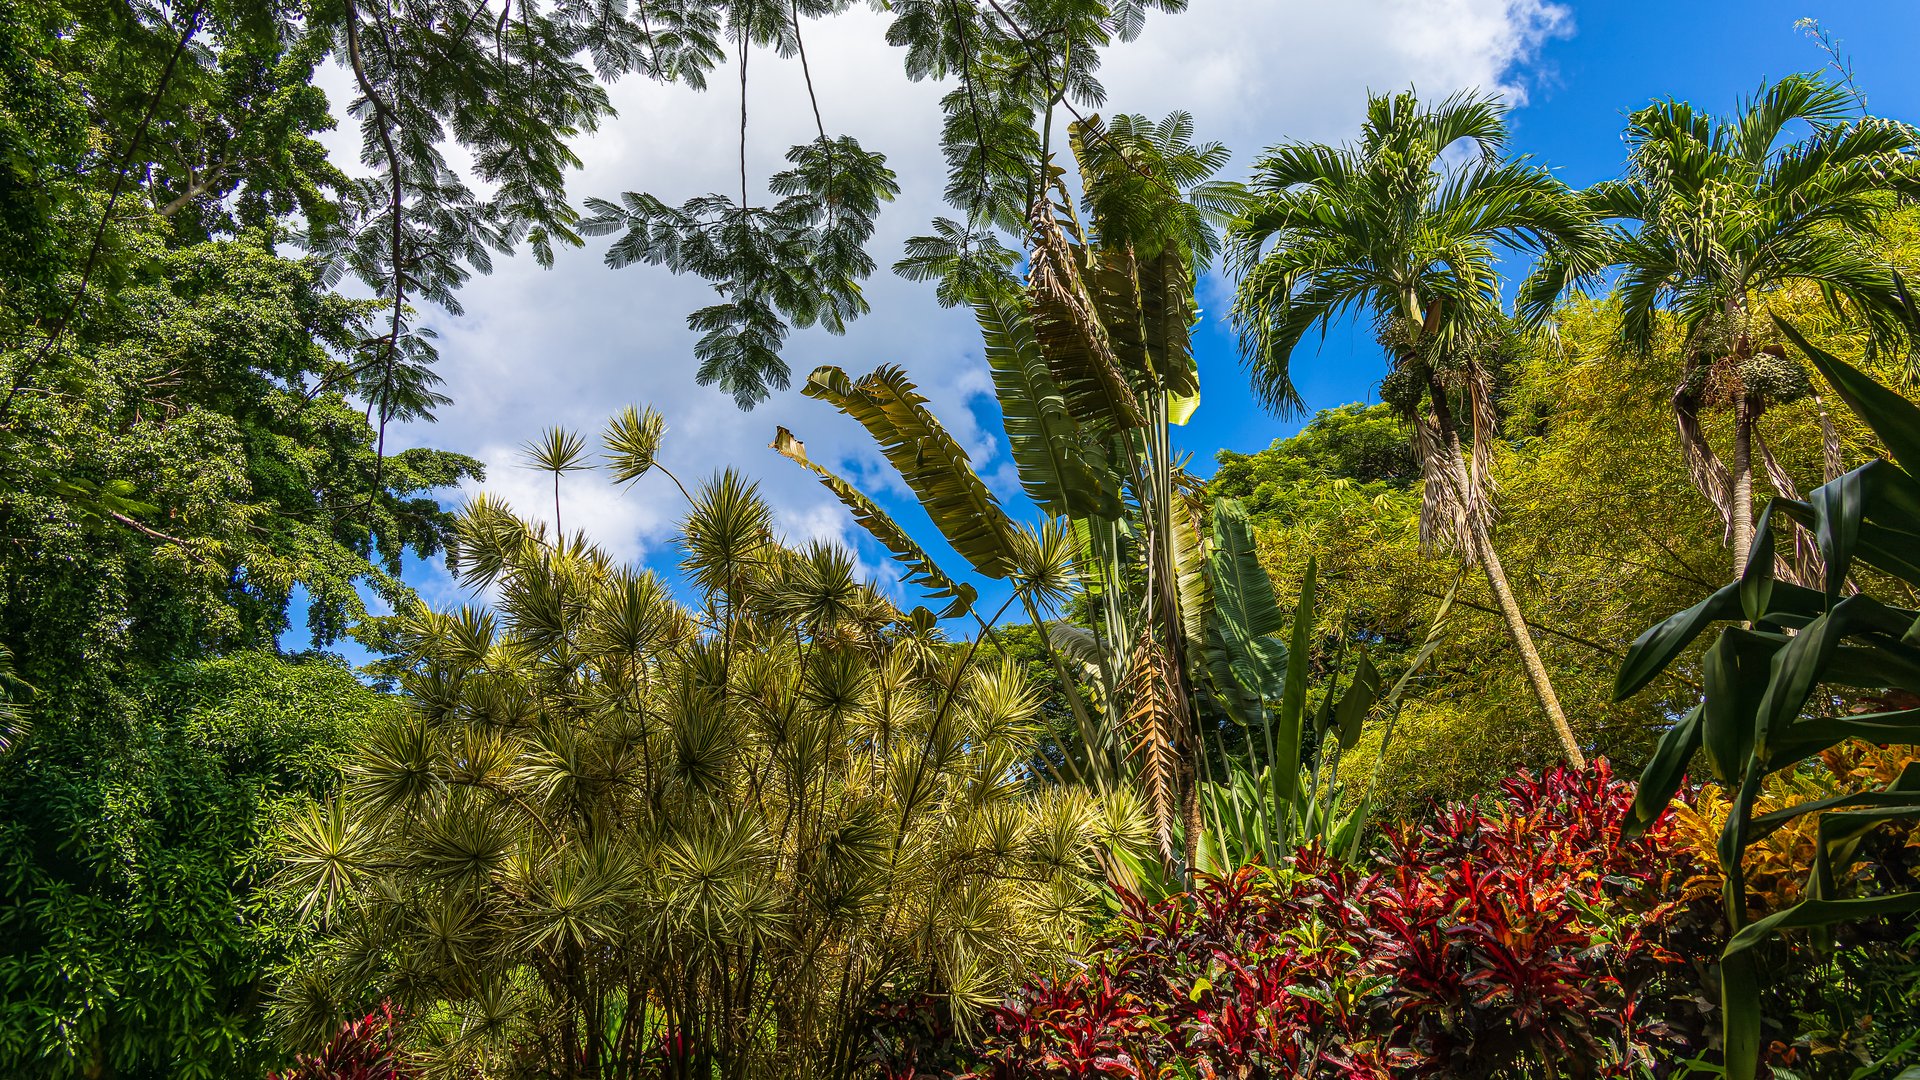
(572,344)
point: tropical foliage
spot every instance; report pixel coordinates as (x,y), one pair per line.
(189,462)
(1092,362)
(1388,227)
(1846,649)
(616,836)
(1717,220)
(138,936)
(1172,776)
(1500,939)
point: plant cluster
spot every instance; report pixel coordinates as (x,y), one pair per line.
(1804,670)
(1092,364)
(137,935)
(617,836)
(1500,938)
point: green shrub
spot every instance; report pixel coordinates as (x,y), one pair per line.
(136,939)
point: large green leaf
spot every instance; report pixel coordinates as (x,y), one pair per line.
(1885,530)
(1664,772)
(1247,662)
(1191,585)
(921,570)
(1902,792)
(1654,649)
(1756,583)
(1147,307)
(1812,913)
(1809,737)
(1356,702)
(1838,506)
(932,463)
(1801,665)
(1063,470)
(1293,698)
(1896,552)
(1243,592)
(1735,672)
(1840,834)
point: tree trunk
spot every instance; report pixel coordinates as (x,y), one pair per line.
(1743,423)
(1476,543)
(1529,655)
(1190,815)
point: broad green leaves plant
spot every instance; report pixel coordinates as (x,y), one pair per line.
(1092,363)
(137,932)
(1776,685)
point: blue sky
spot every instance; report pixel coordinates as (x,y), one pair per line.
(1580,87)
(572,344)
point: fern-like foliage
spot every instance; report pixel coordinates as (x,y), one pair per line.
(797,262)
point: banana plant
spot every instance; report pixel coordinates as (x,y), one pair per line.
(1092,363)
(1775,672)
(1265,810)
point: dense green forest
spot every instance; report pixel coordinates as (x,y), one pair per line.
(1550,713)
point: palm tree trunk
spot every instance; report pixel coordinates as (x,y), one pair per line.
(1743,424)
(1523,640)
(1704,468)
(1477,544)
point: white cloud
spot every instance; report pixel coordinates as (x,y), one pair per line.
(572,344)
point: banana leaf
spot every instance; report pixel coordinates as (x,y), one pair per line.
(931,462)
(1293,702)
(1246,660)
(921,571)
(1062,468)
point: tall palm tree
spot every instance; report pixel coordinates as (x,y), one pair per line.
(1401,225)
(1712,221)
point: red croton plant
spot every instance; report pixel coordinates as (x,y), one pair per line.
(364,1049)
(1522,932)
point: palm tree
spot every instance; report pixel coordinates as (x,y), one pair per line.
(1713,220)
(1399,226)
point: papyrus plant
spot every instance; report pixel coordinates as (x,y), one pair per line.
(620,834)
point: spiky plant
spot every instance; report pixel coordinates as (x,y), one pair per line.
(557,452)
(620,836)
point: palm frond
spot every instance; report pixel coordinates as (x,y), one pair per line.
(1763,119)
